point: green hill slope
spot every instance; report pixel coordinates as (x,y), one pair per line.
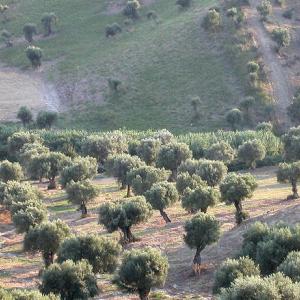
(160,65)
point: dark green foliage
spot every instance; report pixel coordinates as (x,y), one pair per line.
(112,30)
(212,21)
(200,198)
(185,180)
(288,14)
(25,115)
(70,280)
(46,119)
(102,253)
(47,21)
(142,178)
(289,173)
(213,172)
(10,171)
(291,266)
(202,230)
(264,126)
(250,152)
(143,269)
(252,67)
(247,105)
(131,9)
(236,188)
(161,196)
(80,169)
(29,30)
(6,37)
(34,54)
(265,9)
(220,151)
(291,142)
(282,37)
(294,110)
(234,118)
(172,155)
(231,269)
(81,193)
(190,166)
(46,238)
(148,150)
(124,214)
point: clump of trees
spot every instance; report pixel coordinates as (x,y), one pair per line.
(148,150)
(236,188)
(201,231)
(143,269)
(46,119)
(124,214)
(29,30)
(34,54)
(161,196)
(112,30)
(234,118)
(48,19)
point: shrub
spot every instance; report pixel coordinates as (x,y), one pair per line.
(46,119)
(201,231)
(46,238)
(161,196)
(102,253)
(131,9)
(253,67)
(25,115)
(47,21)
(185,180)
(289,173)
(112,30)
(282,37)
(264,126)
(6,36)
(291,266)
(221,151)
(152,15)
(124,214)
(10,171)
(231,269)
(234,189)
(29,30)
(264,9)
(250,152)
(34,54)
(234,118)
(231,12)
(81,193)
(247,105)
(212,21)
(143,269)
(183,3)
(70,280)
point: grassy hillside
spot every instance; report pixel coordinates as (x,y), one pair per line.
(160,65)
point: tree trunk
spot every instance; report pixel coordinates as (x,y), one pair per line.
(128,191)
(48,258)
(83,209)
(239,212)
(197,262)
(144,294)
(52,184)
(204,210)
(128,237)
(165,216)
(295,190)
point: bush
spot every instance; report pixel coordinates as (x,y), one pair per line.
(131,9)
(124,214)
(143,269)
(161,196)
(282,37)
(294,109)
(29,30)
(6,36)
(212,21)
(25,115)
(264,126)
(234,118)
(47,20)
(70,280)
(102,253)
(112,30)
(291,266)
(220,151)
(34,54)
(10,171)
(201,231)
(46,119)
(265,9)
(231,269)
(252,67)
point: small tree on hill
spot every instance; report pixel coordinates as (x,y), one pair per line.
(10,171)
(102,253)
(172,155)
(234,118)
(46,238)
(29,30)
(291,266)
(161,196)
(81,193)
(112,30)
(185,180)
(124,214)
(6,37)
(265,9)
(200,198)
(70,280)
(148,150)
(131,9)
(48,19)
(234,189)
(143,269)
(25,115)
(143,178)
(250,152)
(34,54)
(46,119)
(282,37)
(213,20)
(290,173)
(221,151)
(201,231)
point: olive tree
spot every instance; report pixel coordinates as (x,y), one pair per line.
(200,198)
(22,294)
(124,214)
(143,269)
(10,171)
(185,180)
(291,142)
(70,280)
(234,118)
(221,151)
(34,54)
(120,165)
(25,115)
(291,266)
(172,155)
(161,196)
(250,152)
(234,189)
(29,30)
(265,9)
(148,150)
(46,238)
(102,253)
(213,20)
(81,193)
(289,173)
(202,230)
(131,9)
(46,119)
(48,19)
(142,179)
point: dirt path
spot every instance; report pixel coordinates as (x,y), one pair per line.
(277,75)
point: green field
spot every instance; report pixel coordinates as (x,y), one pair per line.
(160,65)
